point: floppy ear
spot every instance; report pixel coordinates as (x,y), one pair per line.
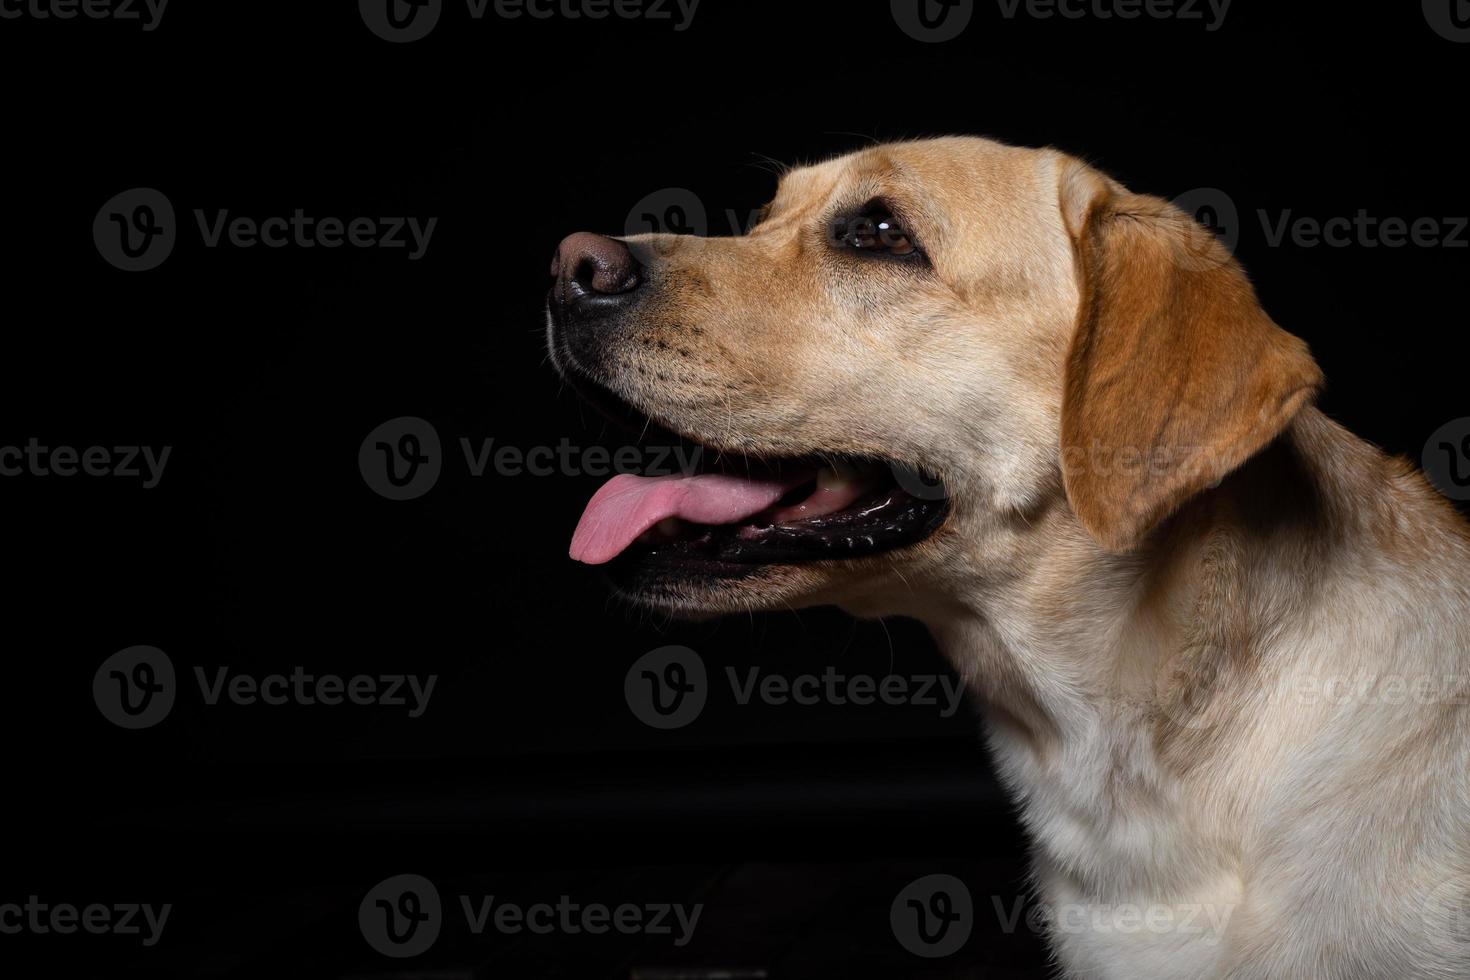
(1175,375)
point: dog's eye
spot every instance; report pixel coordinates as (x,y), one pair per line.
(875,231)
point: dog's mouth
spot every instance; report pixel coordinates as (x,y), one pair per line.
(731,513)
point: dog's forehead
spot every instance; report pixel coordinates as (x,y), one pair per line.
(941,171)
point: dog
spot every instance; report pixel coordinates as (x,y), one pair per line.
(1219,643)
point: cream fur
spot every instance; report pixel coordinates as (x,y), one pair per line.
(1149,708)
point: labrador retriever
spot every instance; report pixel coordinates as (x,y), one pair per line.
(1220,642)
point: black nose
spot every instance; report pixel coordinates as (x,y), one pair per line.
(593,271)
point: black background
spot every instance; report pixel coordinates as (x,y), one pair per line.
(263,549)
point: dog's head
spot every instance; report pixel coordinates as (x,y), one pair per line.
(920,351)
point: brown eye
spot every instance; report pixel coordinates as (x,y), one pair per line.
(875,231)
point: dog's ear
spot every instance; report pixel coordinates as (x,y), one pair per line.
(1175,375)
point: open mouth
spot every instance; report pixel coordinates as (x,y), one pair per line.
(734,513)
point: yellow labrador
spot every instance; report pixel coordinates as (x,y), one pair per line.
(1221,643)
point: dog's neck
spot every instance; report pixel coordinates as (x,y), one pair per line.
(1062,660)
(1094,673)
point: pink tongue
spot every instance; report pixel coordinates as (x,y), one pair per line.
(627,505)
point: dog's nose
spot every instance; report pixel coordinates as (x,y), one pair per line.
(589,268)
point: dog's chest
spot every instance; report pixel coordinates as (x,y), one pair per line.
(1127,889)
